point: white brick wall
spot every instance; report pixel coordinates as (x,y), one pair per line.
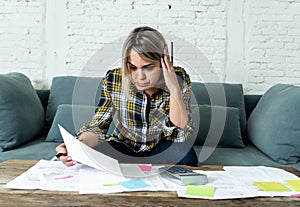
(254,42)
(272,43)
(21,38)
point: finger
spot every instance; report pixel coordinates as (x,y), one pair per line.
(168,61)
(67,160)
(163,64)
(69,164)
(61,148)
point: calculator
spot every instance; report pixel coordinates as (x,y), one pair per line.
(182,175)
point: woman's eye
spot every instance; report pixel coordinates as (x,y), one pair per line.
(149,68)
(132,68)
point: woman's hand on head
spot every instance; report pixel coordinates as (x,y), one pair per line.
(67,160)
(169,73)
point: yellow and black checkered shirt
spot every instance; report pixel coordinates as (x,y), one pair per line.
(134,127)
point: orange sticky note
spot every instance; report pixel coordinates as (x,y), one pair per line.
(295,184)
(271,186)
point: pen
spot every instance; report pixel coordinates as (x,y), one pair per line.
(58,155)
(171,52)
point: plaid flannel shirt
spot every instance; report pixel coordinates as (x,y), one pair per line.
(133,127)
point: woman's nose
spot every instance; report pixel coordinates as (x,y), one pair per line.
(141,74)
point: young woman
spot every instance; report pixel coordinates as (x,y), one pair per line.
(150,101)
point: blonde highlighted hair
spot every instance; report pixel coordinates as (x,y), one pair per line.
(145,41)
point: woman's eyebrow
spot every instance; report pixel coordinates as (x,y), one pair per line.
(144,66)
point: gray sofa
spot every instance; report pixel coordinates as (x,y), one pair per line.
(239,143)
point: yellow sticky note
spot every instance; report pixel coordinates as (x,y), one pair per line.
(295,184)
(200,190)
(271,186)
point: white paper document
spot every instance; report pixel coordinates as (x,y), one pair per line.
(237,182)
(55,176)
(233,182)
(98,173)
(96,181)
(48,175)
(88,156)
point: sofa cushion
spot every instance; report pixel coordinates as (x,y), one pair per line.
(21,112)
(273,126)
(72,90)
(35,149)
(71,117)
(247,156)
(221,94)
(218,125)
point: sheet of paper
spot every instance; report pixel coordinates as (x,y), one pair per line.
(131,170)
(54,175)
(225,187)
(99,181)
(259,172)
(47,175)
(234,182)
(249,175)
(88,156)
(237,182)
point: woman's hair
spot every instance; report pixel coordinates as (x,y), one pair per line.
(148,43)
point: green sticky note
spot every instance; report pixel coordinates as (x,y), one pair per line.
(271,186)
(200,190)
(295,184)
(110,184)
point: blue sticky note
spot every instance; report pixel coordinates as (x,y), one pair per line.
(133,184)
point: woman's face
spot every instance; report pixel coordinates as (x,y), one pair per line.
(144,75)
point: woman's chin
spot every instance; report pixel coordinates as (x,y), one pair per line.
(141,88)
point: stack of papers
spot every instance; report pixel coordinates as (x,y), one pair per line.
(233,182)
(243,182)
(88,156)
(53,175)
(99,173)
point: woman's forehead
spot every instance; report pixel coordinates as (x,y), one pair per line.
(135,59)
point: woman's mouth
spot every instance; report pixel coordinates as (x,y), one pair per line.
(142,84)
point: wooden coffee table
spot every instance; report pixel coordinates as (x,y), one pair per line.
(12,168)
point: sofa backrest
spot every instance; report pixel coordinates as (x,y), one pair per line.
(250,103)
(43,96)
(250,100)
(233,94)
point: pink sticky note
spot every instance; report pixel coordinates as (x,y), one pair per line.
(64,177)
(295,196)
(146,168)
